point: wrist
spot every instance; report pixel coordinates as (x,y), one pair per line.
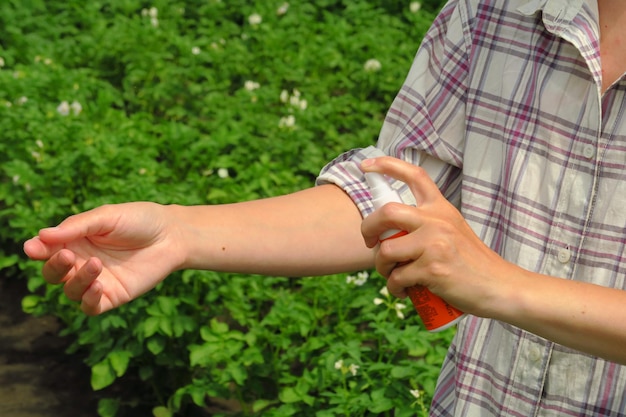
(181,233)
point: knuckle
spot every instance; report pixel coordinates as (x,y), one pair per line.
(385,251)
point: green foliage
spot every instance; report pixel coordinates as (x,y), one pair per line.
(195,102)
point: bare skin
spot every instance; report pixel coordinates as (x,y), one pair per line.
(612,40)
(112,254)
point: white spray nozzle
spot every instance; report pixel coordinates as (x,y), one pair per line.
(381,191)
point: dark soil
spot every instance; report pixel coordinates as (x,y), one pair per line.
(37,377)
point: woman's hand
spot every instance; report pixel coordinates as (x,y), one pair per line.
(110,255)
(440,251)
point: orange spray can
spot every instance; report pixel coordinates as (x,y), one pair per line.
(434,311)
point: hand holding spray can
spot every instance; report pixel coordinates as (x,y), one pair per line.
(435,312)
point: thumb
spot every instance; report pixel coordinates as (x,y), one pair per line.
(90,223)
(37,250)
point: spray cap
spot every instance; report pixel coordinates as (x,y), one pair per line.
(381,191)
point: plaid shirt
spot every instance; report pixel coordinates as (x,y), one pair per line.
(503,107)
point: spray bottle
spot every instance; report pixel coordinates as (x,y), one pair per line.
(435,312)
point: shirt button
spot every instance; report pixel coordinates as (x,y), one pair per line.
(564,255)
(534,355)
(589,151)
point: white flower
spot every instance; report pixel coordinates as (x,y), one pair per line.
(255,19)
(22,100)
(339,364)
(39,143)
(1,62)
(287,121)
(353,369)
(47,61)
(416,393)
(282,9)
(415,6)
(76,107)
(359,280)
(384,291)
(294,99)
(64,108)
(195,50)
(372,65)
(222,173)
(362,277)
(378,301)
(251,85)
(399,307)
(16,179)
(153,14)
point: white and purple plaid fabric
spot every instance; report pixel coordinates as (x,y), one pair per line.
(503,107)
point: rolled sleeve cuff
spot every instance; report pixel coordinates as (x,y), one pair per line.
(345,172)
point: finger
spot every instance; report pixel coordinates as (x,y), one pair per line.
(403,277)
(92,297)
(422,187)
(77,286)
(395,252)
(390,218)
(59,267)
(37,250)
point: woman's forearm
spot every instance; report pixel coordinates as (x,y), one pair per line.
(310,232)
(583,316)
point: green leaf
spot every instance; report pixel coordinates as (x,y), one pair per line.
(146,372)
(289,395)
(380,403)
(7,261)
(156,345)
(119,360)
(107,407)
(102,375)
(219,327)
(198,396)
(167,305)
(165,325)
(260,405)
(161,412)
(202,355)
(30,302)
(401,372)
(151,326)
(237,372)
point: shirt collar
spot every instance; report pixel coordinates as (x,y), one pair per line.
(558,14)
(576,21)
